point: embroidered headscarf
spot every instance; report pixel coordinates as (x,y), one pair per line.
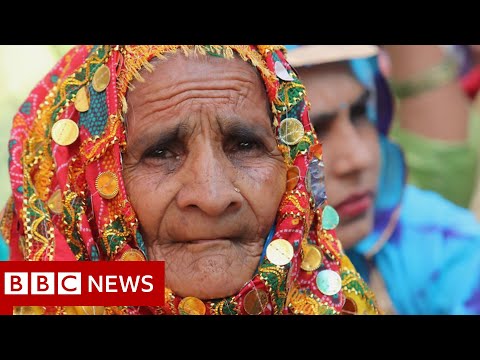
(69,201)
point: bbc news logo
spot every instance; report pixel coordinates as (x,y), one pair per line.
(72,283)
(38,283)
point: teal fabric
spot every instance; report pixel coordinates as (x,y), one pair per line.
(4,253)
(431,263)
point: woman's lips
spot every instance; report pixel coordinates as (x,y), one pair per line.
(206,241)
(355,206)
(200,245)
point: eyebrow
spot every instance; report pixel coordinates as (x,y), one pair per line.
(329,116)
(232,128)
(236,127)
(167,136)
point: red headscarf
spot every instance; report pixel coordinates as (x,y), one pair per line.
(69,200)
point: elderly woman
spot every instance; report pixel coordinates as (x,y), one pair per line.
(201,156)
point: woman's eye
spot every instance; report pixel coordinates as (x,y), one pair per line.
(358,113)
(161,154)
(249,146)
(322,129)
(246,145)
(242,149)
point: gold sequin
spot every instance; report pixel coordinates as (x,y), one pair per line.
(101,79)
(69,310)
(82,99)
(293,174)
(280,252)
(65,132)
(312,258)
(29,310)
(107,184)
(291,131)
(191,306)
(132,255)
(255,301)
(90,310)
(55,202)
(316,151)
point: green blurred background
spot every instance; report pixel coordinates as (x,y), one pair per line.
(21,68)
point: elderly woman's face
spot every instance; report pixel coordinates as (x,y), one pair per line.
(203,171)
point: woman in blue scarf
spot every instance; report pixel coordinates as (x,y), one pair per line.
(419,252)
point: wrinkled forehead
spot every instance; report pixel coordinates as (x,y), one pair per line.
(178,87)
(200,73)
(194,66)
(330,85)
(176,73)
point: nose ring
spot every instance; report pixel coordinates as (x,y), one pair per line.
(236,189)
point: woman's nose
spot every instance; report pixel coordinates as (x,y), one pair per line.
(209,184)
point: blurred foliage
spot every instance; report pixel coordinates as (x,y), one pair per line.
(21,68)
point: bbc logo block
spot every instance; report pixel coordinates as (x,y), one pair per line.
(43,283)
(87,283)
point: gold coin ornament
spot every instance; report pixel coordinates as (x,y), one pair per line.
(101,79)
(191,306)
(65,132)
(107,184)
(329,282)
(255,302)
(279,252)
(55,202)
(90,310)
(312,258)
(82,99)
(291,131)
(132,255)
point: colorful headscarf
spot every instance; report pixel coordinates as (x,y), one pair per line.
(69,200)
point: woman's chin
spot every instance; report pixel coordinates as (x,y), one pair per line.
(208,291)
(212,272)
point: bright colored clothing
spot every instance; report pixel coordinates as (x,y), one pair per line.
(3,250)
(431,263)
(424,248)
(70,213)
(431,162)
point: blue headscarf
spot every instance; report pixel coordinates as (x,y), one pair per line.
(430,263)
(392,178)
(393,169)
